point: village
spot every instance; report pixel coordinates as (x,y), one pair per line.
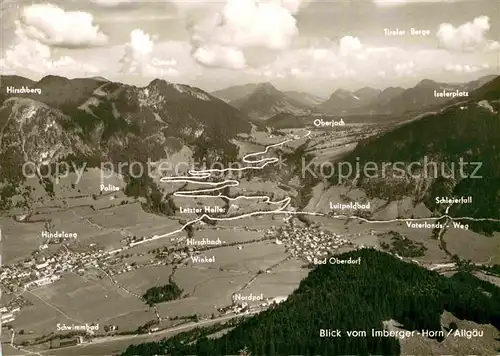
(45,266)
(307,243)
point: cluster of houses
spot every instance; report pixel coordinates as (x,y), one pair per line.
(124,269)
(235,308)
(173,257)
(307,243)
(241,307)
(6,315)
(39,270)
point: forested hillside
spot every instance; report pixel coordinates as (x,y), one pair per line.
(349,297)
(91,121)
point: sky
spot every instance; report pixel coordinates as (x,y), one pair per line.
(305,45)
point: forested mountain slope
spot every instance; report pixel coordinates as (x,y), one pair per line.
(467,132)
(89,121)
(350,297)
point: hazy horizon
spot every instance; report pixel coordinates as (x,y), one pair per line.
(325,96)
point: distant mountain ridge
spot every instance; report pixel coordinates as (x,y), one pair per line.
(394,100)
(235,92)
(263,100)
(238,92)
(305,98)
(266,101)
(342,101)
(467,129)
(420,97)
(367,93)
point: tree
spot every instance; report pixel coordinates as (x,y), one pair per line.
(244,351)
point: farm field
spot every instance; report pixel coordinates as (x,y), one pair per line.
(18,239)
(280,281)
(75,300)
(117,344)
(255,222)
(139,281)
(472,246)
(229,235)
(208,289)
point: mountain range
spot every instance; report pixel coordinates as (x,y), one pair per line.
(394,100)
(421,97)
(466,130)
(263,101)
(94,120)
(235,92)
(91,120)
(266,101)
(342,101)
(238,92)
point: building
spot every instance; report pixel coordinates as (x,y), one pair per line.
(7,318)
(278,300)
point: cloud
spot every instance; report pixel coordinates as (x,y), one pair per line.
(112,3)
(310,63)
(138,56)
(467,37)
(53,26)
(247,23)
(349,57)
(391,3)
(463,68)
(493,46)
(37,31)
(27,54)
(186,6)
(349,45)
(241,24)
(164,62)
(405,69)
(137,52)
(220,56)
